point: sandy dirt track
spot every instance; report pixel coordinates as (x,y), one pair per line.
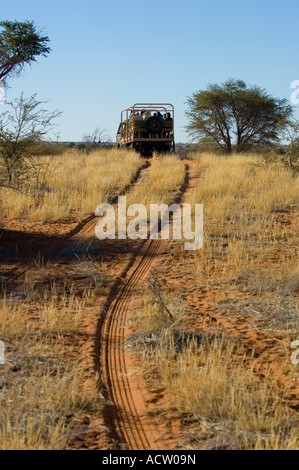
(128,420)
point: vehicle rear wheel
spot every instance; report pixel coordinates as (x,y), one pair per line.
(154,124)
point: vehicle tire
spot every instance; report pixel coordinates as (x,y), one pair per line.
(154,124)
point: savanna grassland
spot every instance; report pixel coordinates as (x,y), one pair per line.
(210,331)
(224,357)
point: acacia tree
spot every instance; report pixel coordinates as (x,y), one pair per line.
(20,45)
(236,116)
(21,128)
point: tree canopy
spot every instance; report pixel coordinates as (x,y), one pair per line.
(236,116)
(20,45)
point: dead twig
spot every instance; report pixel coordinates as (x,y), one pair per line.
(157,292)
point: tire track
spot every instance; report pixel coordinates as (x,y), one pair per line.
(128,424)
(124,418)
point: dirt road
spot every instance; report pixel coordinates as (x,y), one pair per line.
(127,416)
(136,415)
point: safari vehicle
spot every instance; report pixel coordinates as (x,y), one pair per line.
(147,128)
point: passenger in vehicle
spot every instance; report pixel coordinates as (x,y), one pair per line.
(137,116)
(146,115)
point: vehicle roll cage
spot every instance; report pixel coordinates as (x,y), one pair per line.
(141,107)
(131,129)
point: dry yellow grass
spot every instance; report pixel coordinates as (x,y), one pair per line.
(241,201)
(42,383)
(240,189)
(167,174)
(245,245)
(39,399)
(14,319)
(80,183)
(247,248)
(205,376)
(34,411)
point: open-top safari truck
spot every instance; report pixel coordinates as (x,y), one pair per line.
(147,128)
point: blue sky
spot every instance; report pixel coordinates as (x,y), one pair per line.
(108,55)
